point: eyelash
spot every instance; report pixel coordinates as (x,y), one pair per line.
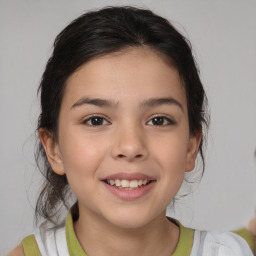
(103,121)
(166,121)
(95,117)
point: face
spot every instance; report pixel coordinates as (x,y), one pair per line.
(123,138)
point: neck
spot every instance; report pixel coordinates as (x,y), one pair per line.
(159,237)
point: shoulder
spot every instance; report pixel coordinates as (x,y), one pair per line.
(248,237)
(222,244)
(17,251)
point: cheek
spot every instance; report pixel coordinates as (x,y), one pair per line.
(171,152)
(82,156)
(79,148)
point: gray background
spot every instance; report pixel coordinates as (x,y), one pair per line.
(223,35)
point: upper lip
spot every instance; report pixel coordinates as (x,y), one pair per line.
(128,176)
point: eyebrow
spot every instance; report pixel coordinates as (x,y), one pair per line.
(151,102)
(96,102)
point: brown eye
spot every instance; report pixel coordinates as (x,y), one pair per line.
(160,121)
(96,121)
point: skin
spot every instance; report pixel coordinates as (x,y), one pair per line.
(252,226)
(128,140)
(17,251)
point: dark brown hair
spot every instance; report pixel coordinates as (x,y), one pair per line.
(95,34)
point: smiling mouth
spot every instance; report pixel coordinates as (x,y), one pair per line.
(127,184)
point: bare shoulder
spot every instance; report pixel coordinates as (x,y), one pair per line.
(17,251)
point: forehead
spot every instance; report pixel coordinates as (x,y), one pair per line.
(134,73)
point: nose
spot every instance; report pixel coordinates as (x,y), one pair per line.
(130,144)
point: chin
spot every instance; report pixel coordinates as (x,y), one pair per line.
(129,223)
(130,220)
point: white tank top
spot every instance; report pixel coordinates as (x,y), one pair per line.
(53,242)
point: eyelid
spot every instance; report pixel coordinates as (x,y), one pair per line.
(169,120)
(87,118)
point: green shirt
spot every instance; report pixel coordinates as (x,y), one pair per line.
(74,248)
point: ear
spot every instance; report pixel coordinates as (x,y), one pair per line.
(52,151)
(193,147)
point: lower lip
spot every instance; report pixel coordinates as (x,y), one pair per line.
(130,194)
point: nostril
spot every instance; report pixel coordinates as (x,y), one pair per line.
(136,156)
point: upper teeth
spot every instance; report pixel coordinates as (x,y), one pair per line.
(127,183)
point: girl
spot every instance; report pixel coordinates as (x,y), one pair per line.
(122,117)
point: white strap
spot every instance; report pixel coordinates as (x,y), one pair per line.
(219,244)
(52,242)
(61,242)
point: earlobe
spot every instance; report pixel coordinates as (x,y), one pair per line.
(52,151)
(193,148)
